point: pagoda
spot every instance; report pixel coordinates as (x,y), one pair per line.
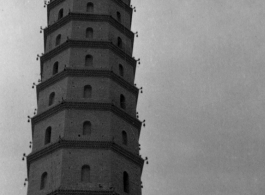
(85,134)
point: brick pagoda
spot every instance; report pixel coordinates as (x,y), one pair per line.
(86,134)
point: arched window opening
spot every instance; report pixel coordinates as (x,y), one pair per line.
(58,40)
(121,71)
(43,182)
(89,33)
(90,7)
(122,102)
(85,173)
(89,60)
(124,138)
(48,135)
(119,16)
(51,98)
(60,14)
(126,184)
(119,43)
(87,91)
(55,68)
(87,128)
(41,70)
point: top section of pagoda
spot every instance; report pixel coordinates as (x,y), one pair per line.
(117,9)
(125,1)
(55,2)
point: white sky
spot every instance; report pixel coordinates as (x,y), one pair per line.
(202,69)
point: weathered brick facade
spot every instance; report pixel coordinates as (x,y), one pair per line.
(85,133)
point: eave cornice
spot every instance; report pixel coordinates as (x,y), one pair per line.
(118,2)
(92,44)
(82,192)
(88,17)
(74,144)
(87,73)
(85,106)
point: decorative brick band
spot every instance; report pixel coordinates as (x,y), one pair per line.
(88,145)
(123,5)
(87,106)
(89,17)
(84,44)
(87,73)
(82,192)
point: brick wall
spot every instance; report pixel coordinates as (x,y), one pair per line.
(52,164)
(120,164)
(65,31)
(53,15)
(63,60)
(60,89)
(117,126)
(57,123)
(100,123)
(74,159)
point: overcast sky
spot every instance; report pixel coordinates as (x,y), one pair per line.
(203,73)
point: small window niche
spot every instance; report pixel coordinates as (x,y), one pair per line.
(55,68)
(90,7)
(121,70)
(43,182)
(126,182)
(87,128)
(89,61)
(122,102)
(124,138)
(85,174)
(119,42)
(89,33)
(51,98)
(60,14)
(58,40)
(87,91)
(119,16)
(48,134)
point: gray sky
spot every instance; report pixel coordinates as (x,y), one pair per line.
(203,73)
